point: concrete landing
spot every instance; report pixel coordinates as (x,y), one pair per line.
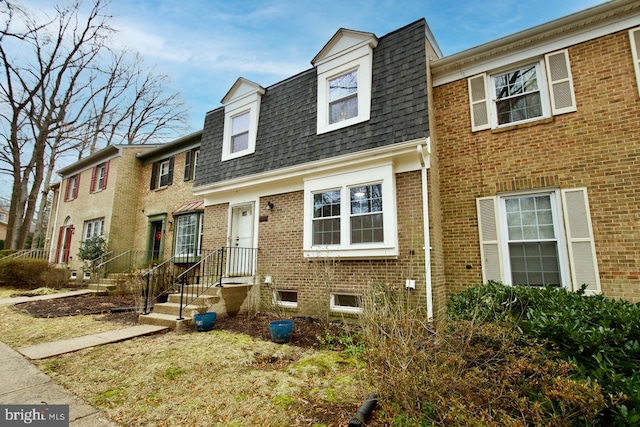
(55,348)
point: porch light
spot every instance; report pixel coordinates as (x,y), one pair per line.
(269,206)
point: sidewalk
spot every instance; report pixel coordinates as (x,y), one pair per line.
(21,382)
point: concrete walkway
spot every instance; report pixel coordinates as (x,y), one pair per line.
(18,300)
(22,383)
(55,348)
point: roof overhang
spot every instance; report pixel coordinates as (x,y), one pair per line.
(406,156)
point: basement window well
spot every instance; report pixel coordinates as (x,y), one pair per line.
(285,298)
(346,303)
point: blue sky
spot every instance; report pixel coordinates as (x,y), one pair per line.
(205,45)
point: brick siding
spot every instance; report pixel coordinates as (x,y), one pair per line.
(596,147)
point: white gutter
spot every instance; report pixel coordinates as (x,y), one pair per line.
(425,218)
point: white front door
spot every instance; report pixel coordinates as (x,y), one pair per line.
(240,258)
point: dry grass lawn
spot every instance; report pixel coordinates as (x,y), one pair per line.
(216,378)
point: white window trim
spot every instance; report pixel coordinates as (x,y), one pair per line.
(342,308)
(287,304)
(543,89)
(385,249)
(250,104)
(558,228)
(577,238)
(167,173)
(93,223)
(360,59)
(481,88)
(635,54)
(197,250)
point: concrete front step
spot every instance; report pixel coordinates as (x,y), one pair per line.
(202,299)
(168,320)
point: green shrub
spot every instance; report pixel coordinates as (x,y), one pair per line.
(465,373)
(32,273)
(599,335)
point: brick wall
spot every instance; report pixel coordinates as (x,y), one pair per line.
(596,147)
(280,253)
(160,202)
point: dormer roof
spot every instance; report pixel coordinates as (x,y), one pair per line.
(241,89)
(343,42)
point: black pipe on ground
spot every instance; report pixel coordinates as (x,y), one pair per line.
(364,412)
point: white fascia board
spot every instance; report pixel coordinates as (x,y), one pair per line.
(486,57)
(291,179)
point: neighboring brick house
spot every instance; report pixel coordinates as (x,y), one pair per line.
(325,173)
(536,135)
(167,211)
(134,195)
(98,195)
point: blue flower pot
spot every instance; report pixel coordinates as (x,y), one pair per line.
(204,322)
(281,331)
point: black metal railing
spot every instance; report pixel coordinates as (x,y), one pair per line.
(192,276)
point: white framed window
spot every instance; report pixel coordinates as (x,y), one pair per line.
(164,173)
(240,132)
(241,115)
(3,217)
(99,177)
(343,97)
(522,93)
(634,36)
(190,164)
(285,298)
(344,70)
(346,303)
(533,239)
(188,236)
(350,215)
(538,238)
(93,228)
(73,185)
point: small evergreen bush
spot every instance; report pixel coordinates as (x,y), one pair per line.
(599,335)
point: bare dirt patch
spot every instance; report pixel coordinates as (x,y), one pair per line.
(113,307)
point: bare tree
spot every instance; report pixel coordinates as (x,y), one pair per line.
(66,90)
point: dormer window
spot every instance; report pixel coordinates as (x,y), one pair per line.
(241,114)
(240,132)
(344,68)
(343,97)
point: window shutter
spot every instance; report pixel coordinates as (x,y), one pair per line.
(67,189)
(154,176)
(106,175)
(187,165)
(563,98)
(94,172)
(489,244)
(77,188)
(60,243)
(634,35)
(479,102)
(582,250)
(171,161)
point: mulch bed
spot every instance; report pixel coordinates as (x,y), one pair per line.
(305,334)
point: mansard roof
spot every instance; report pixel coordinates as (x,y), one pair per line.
(287,124)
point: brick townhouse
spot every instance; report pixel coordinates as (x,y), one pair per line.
(538,145)
(386,163)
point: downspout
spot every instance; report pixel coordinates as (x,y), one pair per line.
(424,163)
(55,227)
